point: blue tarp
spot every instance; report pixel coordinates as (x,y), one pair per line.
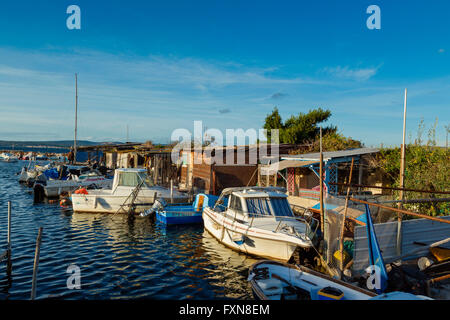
(375,257)
(53,174)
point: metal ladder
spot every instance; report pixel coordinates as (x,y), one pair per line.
(133,195)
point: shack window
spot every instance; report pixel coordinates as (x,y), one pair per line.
(281,207)
(258,206)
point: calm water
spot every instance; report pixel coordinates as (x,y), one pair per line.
(118,260)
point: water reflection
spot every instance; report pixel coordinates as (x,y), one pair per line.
(118,258)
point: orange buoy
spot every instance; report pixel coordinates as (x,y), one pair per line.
(81,191)
(65,202)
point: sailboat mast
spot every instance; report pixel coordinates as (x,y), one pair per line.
(76,115)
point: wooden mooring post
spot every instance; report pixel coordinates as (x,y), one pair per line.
(171,190)
(322,209)
(36,264)
(341,237)
(8,263)
(7,254)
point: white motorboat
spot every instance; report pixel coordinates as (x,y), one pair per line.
(30,172)
(272,280)
(259,221)
(8,157)
(54,181)
(126,181)
(26,174)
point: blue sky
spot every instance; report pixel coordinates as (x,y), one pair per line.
(158,66)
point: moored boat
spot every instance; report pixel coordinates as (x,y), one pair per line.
(61,179)
(259,221)
(119,197)
(184,214)
(8,157)
(273,280)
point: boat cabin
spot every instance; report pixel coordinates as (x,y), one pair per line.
(254,202)
(130,178)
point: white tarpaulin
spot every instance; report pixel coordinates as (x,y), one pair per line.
(275,167)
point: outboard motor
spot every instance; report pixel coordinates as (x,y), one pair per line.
(158,205)
(39,193)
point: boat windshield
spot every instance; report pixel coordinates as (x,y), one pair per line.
(281,207)
(260,207)
(132,179)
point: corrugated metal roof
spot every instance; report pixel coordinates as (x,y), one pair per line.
(331,154)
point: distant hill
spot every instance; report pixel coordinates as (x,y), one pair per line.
(54,144)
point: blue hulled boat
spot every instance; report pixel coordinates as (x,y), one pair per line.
(184,213)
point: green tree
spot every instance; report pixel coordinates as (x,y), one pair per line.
(298,129)
(273,121)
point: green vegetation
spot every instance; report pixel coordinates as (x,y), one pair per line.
(334,141)
(298,129)
(427,168)
(304,129)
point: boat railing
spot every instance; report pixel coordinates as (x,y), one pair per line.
(311,226)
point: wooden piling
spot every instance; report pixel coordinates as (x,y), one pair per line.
(341,240)
(9,264)
(171,190)
(36,264)
(322,211)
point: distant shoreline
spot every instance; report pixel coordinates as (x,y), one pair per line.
(58,144)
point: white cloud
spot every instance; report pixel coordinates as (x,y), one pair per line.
(155,95)
(346,72)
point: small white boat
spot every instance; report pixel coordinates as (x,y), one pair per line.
(8,157)
(27,174)
(30,172)
(272,280)
(259,221)
(50,184)
(119,197)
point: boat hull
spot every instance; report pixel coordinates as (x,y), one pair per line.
(54,190)
(182,218)
(250,241)
(308,280)
(111,203)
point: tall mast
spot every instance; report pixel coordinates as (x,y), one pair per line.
(402,179)
(76,114)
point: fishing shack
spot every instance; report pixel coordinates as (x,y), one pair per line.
(212,169)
